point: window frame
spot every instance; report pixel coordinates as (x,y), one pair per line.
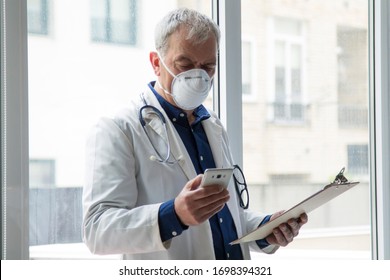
(14,113)
(379,43)
(353,160)
(14,142)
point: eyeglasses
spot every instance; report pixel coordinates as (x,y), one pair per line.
(241,187)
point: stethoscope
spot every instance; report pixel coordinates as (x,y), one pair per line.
(241,191)
(157,156)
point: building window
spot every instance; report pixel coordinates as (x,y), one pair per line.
(288,52)
(37,16)
(42,173)
(358,159)
(55,215)
(248,91)
(114,21)
(353,115)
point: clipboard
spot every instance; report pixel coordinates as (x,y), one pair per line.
(327,193)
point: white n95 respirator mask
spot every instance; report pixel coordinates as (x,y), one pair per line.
(188,89)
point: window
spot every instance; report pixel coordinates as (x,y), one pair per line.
(38,17)
(90,81)
(353,115)
(114,21)
(358,159)
(55,216)
(258,167)
(248,65)
(288,69)
(315,51)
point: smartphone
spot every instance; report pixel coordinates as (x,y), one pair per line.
(217,176)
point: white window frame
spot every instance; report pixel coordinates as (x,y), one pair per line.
(251,96)
(14,130)
(228,80)
(379,127)
(14,116)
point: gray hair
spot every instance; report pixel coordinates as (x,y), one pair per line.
(198,26)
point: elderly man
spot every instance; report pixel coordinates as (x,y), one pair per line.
(142,196)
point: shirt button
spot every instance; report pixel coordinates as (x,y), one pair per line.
(221,220)
(201,158)
(228,255)
(174,119)
(182,115)
(174,233)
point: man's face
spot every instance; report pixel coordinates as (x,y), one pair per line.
(183,55)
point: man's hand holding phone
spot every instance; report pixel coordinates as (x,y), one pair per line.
(203,196)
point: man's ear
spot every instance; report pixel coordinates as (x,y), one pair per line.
(155,61)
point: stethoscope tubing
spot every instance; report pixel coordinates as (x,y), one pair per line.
(157,112)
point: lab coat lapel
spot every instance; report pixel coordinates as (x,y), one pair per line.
(222,158)
(178,150)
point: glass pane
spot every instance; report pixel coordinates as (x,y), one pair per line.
(72,83)
(280,50)
(247,68)
(114,21)
(37,16)
(119,9)
(98,20)
(296,73)
(280,72)
(317,91)
(287,26)
(121,21)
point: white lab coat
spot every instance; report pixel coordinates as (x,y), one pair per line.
(124,189)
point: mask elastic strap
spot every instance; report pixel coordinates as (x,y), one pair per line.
(169,71)
(165,66)
(158,83)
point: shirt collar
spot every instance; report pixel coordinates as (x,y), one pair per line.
(177,115)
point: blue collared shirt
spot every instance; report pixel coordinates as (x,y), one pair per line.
(197,145)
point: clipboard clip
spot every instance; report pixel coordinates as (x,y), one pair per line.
(340,178)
